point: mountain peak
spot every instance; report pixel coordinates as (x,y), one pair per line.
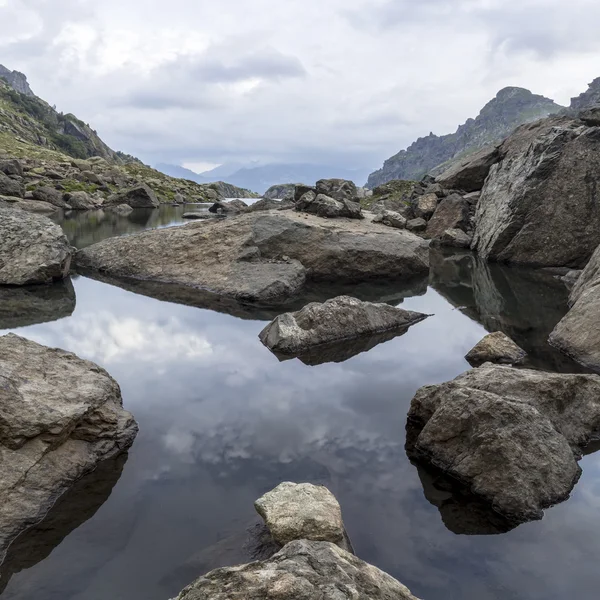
(591,97)
(16,80)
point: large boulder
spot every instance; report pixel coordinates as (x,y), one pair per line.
(231,207)
(259,257)
(453,238)
(302,570)
(330,208)
(337,319)
(49,195)
(81,201)
(284,191)
(302,511)
(11,187)
(512,436)
(496,348)
(140,196)
(453,212)
(578,333)
(270,204)
(339,189)
(424,206)
(11,167)
(33,249)
(470,173)
(541,204)
(61,416)
(390,219)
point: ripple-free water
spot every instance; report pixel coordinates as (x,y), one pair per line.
(222,421)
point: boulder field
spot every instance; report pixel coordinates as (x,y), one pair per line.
(61,417)
(263,257)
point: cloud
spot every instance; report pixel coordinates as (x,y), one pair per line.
(347,82)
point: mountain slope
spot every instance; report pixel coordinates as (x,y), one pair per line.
(591,97)
(510,108)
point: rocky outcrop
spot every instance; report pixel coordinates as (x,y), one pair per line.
(32,249)
(30,305)
(541,204)
(335,320)
(261,257)
(496,348)
(510,108)
(578,333)
(470,173)
(591,97)
(62,416)
(16,80)
(302,569)
(138,197)
(284,191)
(302,511)
(511,436)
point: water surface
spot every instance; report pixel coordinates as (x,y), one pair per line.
(222,421)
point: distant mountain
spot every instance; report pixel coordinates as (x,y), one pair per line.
(511,107)
(589,98)
(181,173)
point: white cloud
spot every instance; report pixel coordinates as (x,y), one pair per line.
(345,81)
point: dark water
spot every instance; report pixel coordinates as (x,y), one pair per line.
(222,421)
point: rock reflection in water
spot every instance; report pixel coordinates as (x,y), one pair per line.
(75,507)
(525,304)
(31,305)
(388,292)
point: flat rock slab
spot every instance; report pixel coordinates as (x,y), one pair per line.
(32,249)
(496,348)
(261,257)
(341,318)
(302,570)
(297,511)
(512,436)
(61,416)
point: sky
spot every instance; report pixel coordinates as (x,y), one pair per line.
(337,82)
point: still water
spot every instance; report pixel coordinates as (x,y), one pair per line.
(222,421)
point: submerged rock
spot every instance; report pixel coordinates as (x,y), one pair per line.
(578,333)
(512,436)
(496,348)
(261,257)
(302,511)
(32,249)
(302,570)
(337,319)
(62,416)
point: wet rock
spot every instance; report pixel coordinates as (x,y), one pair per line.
(453,212)
(416,225)
(11,187)
(62,416)
(302,570)
(122,209)
(334,320)
(195,216)
(50,195)
(425,206)
(453,238)
(32,249)
(214,256)
(138,197)
(338,189)
(541,204)
(390,219)
(512,436)
(496,348)
(578,333)
(302,511)
(325,206)
(470,173)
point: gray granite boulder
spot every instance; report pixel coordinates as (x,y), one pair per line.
(496,348)
(33,249)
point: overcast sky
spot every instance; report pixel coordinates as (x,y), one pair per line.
(322,81)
